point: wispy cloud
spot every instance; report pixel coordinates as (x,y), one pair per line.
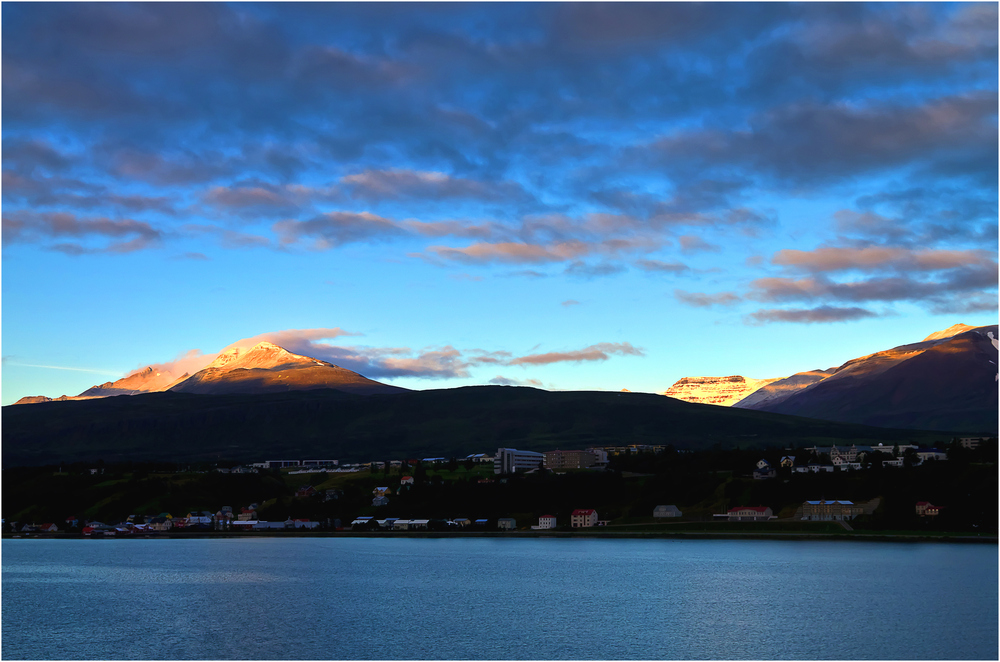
(820,315)
(703,300)
(598,352)
(506,381)
(61,367)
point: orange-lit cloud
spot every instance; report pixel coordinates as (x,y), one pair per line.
(880,257)
(598,352)
(702,300)
(822,314)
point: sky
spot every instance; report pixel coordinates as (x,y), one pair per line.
(566,196)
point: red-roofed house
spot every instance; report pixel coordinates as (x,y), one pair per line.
(927,509)
(582,518)
(750,514)
(48,526)
(406,480)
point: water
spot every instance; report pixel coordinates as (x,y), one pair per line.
(487,598)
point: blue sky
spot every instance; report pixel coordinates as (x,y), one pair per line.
(570,196)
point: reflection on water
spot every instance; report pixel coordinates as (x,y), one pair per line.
(485,598)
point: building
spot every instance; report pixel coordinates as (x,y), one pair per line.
(583,518)
(546,522)
(666,511)
(506,524)
(406,480)
(749,514)
(972,443)
(927,509)
(558,459)
(160,524)
(931,454)
(824,510)
(764,470)
(511,460)
(788,461)
(851,453)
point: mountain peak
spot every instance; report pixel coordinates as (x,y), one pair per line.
(952,330)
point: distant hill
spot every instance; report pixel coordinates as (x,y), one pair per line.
(945,382)
(333,424)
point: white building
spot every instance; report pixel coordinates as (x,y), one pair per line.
(666,511)
(511,460)
(749,514)
(931,454)
(546,522)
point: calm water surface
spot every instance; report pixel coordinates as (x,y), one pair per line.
(486,598)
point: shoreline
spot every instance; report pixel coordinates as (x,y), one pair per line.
(562,535)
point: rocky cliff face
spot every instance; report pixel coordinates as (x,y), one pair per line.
(721,391)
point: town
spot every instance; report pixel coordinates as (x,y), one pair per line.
(613,488)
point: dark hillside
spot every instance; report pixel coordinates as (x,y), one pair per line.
(448,422)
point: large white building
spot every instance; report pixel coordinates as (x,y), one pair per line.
(511,460)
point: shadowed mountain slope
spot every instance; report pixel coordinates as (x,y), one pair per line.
(450,422)
(942,383)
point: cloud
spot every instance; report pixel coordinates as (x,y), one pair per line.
(58,367)
(598,352)
(510,252)
(570,302)
(188,362)
(257,197)
(506,381)
(702,300)
(822,314)
(877,258)
(895,288)
(400,184)
(853,139)
(38,191)
(35,227)
(334,229)
(297,341)
(27,156)
(583,270)
(693,244)
(661,266)
(937,279)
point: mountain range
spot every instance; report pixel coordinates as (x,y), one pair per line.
(263,368)
(947,381)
